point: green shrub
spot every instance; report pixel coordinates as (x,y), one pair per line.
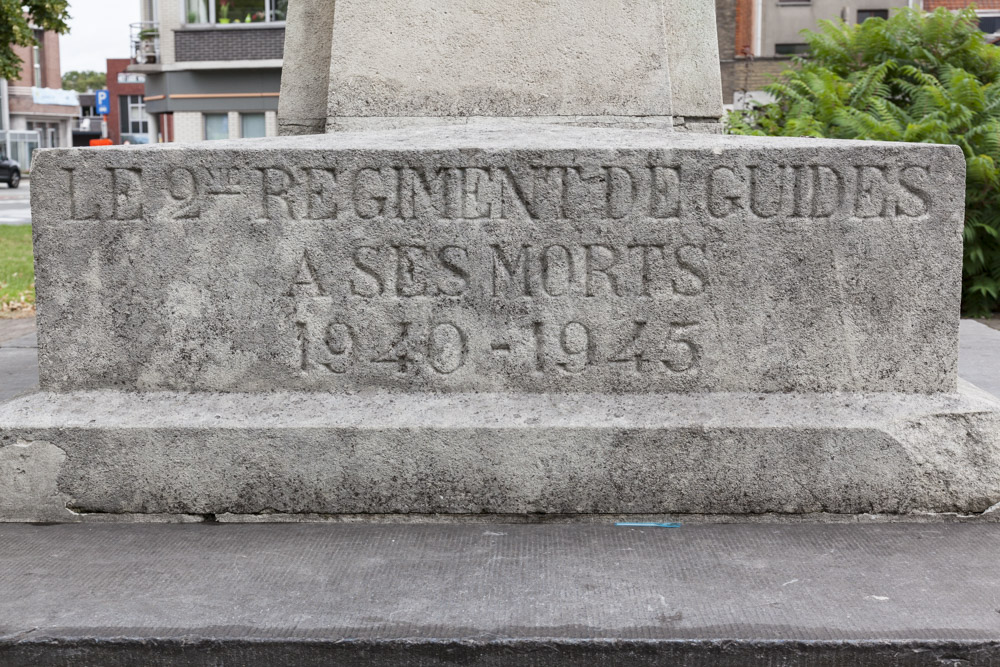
(923,77)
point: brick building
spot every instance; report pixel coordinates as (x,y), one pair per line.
(34,110)
(128,120)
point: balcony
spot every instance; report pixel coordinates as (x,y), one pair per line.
(145,42)
(256,41)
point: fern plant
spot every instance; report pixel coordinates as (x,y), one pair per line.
(918,76)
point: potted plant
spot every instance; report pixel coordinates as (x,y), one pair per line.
(223,11)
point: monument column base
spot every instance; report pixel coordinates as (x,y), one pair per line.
(67,456)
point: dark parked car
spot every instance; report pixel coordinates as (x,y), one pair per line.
(10,171)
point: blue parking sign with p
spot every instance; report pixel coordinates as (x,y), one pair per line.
(103,100)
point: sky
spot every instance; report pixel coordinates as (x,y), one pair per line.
(99,29)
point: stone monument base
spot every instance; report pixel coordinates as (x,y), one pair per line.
(67,456)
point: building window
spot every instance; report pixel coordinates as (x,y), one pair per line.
(36,59)
(133,114)
(228,12)
(791,49)
(989,24)
(252,125)
(865,14)
(216,126)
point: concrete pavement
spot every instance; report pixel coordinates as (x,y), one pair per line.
(500,595)
(18,357)
(15,204)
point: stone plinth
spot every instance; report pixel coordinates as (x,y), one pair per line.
(400,62)
(509,258)
(502,318)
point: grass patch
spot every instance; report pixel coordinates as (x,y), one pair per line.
(17,271)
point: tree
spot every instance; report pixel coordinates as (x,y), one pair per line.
(922,77)
(18,19)
(83,82)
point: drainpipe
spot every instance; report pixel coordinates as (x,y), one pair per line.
(5,118)
(759,11)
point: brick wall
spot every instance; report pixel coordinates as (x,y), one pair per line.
(725,22)
(27,75)
(51,73)
(115,91)
(757,73)
(229,44)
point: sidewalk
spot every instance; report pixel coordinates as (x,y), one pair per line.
(18,357)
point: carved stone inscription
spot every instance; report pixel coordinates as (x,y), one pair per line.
(643,274)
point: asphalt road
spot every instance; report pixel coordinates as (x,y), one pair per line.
(15,205)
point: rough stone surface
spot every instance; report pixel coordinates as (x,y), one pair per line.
(565,60)
(501,58)
(499,595)
(501,257)
(305,75)
(281,453)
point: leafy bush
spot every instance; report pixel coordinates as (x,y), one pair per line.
(923,77)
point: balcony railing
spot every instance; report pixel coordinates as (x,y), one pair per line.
(145,42)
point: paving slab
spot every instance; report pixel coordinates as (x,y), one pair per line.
(979,355)
(499,595)
(14,328)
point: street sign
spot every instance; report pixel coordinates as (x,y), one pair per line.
(103,99)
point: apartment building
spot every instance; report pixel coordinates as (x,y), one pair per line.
(212,67)
(34,110)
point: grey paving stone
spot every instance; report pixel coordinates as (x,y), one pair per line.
(18,371)
(979,355)
(492,595)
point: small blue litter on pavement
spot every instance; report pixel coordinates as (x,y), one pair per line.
(649,525)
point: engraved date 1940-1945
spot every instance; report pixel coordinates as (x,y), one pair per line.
(539,347)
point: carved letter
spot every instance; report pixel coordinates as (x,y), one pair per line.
(665,197)
(601,261)
(322,194)
(693,270)
(126,185)
(620,192)
(453,258)
(915,198)
(557,270)
(369,193)
(512,274)
(872,199)
(276,181)
(368,283)
(411,270)
(722,200)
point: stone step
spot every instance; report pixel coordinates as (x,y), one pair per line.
(499,594)
(69,456)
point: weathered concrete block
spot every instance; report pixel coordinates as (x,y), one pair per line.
(398,61)
(509,257)
(317,453)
